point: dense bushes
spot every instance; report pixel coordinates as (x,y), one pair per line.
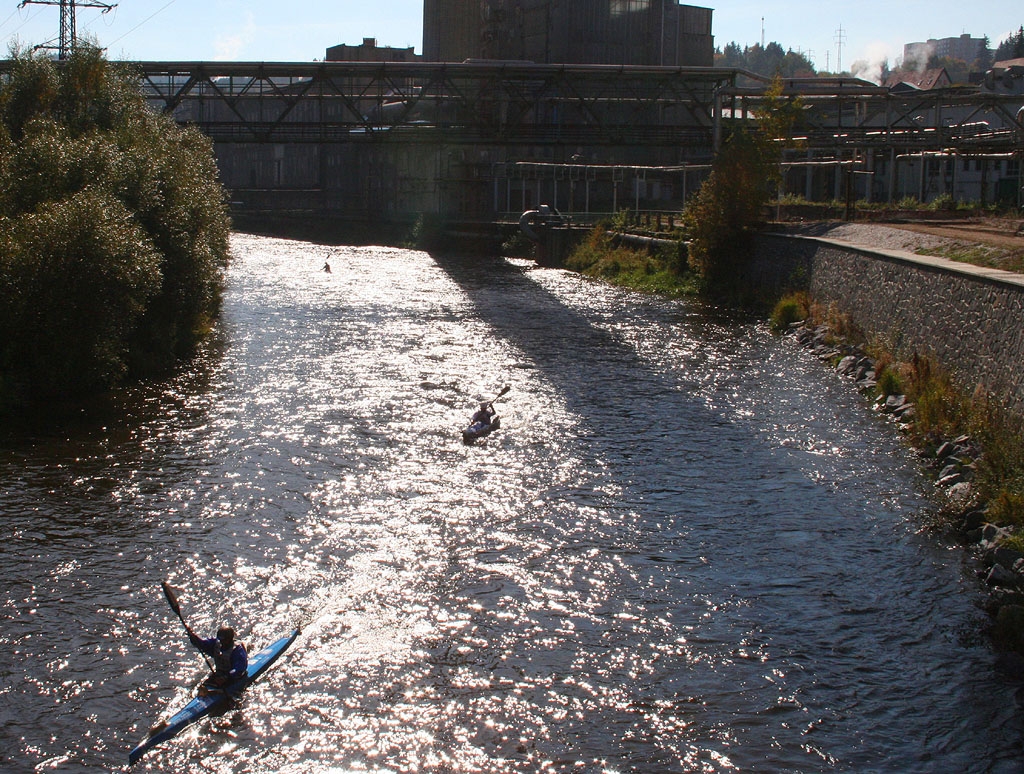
(113,230)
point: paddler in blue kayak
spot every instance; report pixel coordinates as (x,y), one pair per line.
(230,660)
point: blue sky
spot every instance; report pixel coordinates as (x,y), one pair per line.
(265,30)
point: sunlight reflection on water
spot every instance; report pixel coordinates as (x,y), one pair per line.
(688,548)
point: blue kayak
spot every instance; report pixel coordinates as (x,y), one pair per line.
(479,430)
(205,704)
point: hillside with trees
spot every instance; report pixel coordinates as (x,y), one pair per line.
(772,59)
(1011,48)
(769,60)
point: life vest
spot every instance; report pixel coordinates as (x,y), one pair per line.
(222,659)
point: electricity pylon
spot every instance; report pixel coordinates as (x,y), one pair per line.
(68,39)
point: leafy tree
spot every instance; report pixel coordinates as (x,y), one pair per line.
(884,71)
(731,56)
(984,60)
(113,230)
(81,273)
(957,69)
(723,216)
(730,205)
(796,65)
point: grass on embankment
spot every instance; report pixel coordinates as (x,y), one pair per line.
(662,270)
(943,411)
(980,255)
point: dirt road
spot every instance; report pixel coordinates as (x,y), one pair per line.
(996,243)
(998,232)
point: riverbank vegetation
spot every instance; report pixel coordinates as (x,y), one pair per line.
(791,206)
(1007,259)
(974,446)
(719,224)
(942,410)
(113,231)
(656,269)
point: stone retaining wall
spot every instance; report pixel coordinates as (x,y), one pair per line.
(969,319)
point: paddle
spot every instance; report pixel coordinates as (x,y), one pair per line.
(504,389)
(172,600)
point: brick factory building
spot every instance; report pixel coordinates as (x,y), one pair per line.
(369,51)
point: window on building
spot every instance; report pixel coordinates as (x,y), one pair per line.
(624,7)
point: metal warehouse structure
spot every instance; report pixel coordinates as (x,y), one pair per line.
(481,139)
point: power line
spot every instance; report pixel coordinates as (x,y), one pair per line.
(840,39)
(68,38)
(27,20)
(13,14)
(129,32)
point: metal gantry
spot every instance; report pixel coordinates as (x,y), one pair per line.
(603,104)
(477,137)
(442,135)
(468,102)
(68,37)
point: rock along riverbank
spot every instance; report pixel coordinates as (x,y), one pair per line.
(953,462)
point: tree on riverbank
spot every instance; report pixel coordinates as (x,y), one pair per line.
(729,207)
(719,222)
(113,230)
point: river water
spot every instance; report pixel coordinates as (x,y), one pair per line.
(690,547)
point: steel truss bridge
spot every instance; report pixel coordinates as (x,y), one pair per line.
(480,138)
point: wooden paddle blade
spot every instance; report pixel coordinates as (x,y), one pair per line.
(504,389)
(172,598)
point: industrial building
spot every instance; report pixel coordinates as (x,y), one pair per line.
(621,32)
(965,48)
(515,104)
(369,51)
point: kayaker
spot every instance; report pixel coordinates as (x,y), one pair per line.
(484,414)
(229,657)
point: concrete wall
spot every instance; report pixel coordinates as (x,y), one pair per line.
(970,319)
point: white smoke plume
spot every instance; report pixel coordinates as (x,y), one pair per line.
(874,66)
(869,71)
(916,56)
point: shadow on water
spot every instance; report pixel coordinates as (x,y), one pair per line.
(665,437)
(119,411)
(676,562)
(781,554)
(602,378)
(71,463)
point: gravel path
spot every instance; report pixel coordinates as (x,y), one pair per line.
(979,244)
(875,235)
